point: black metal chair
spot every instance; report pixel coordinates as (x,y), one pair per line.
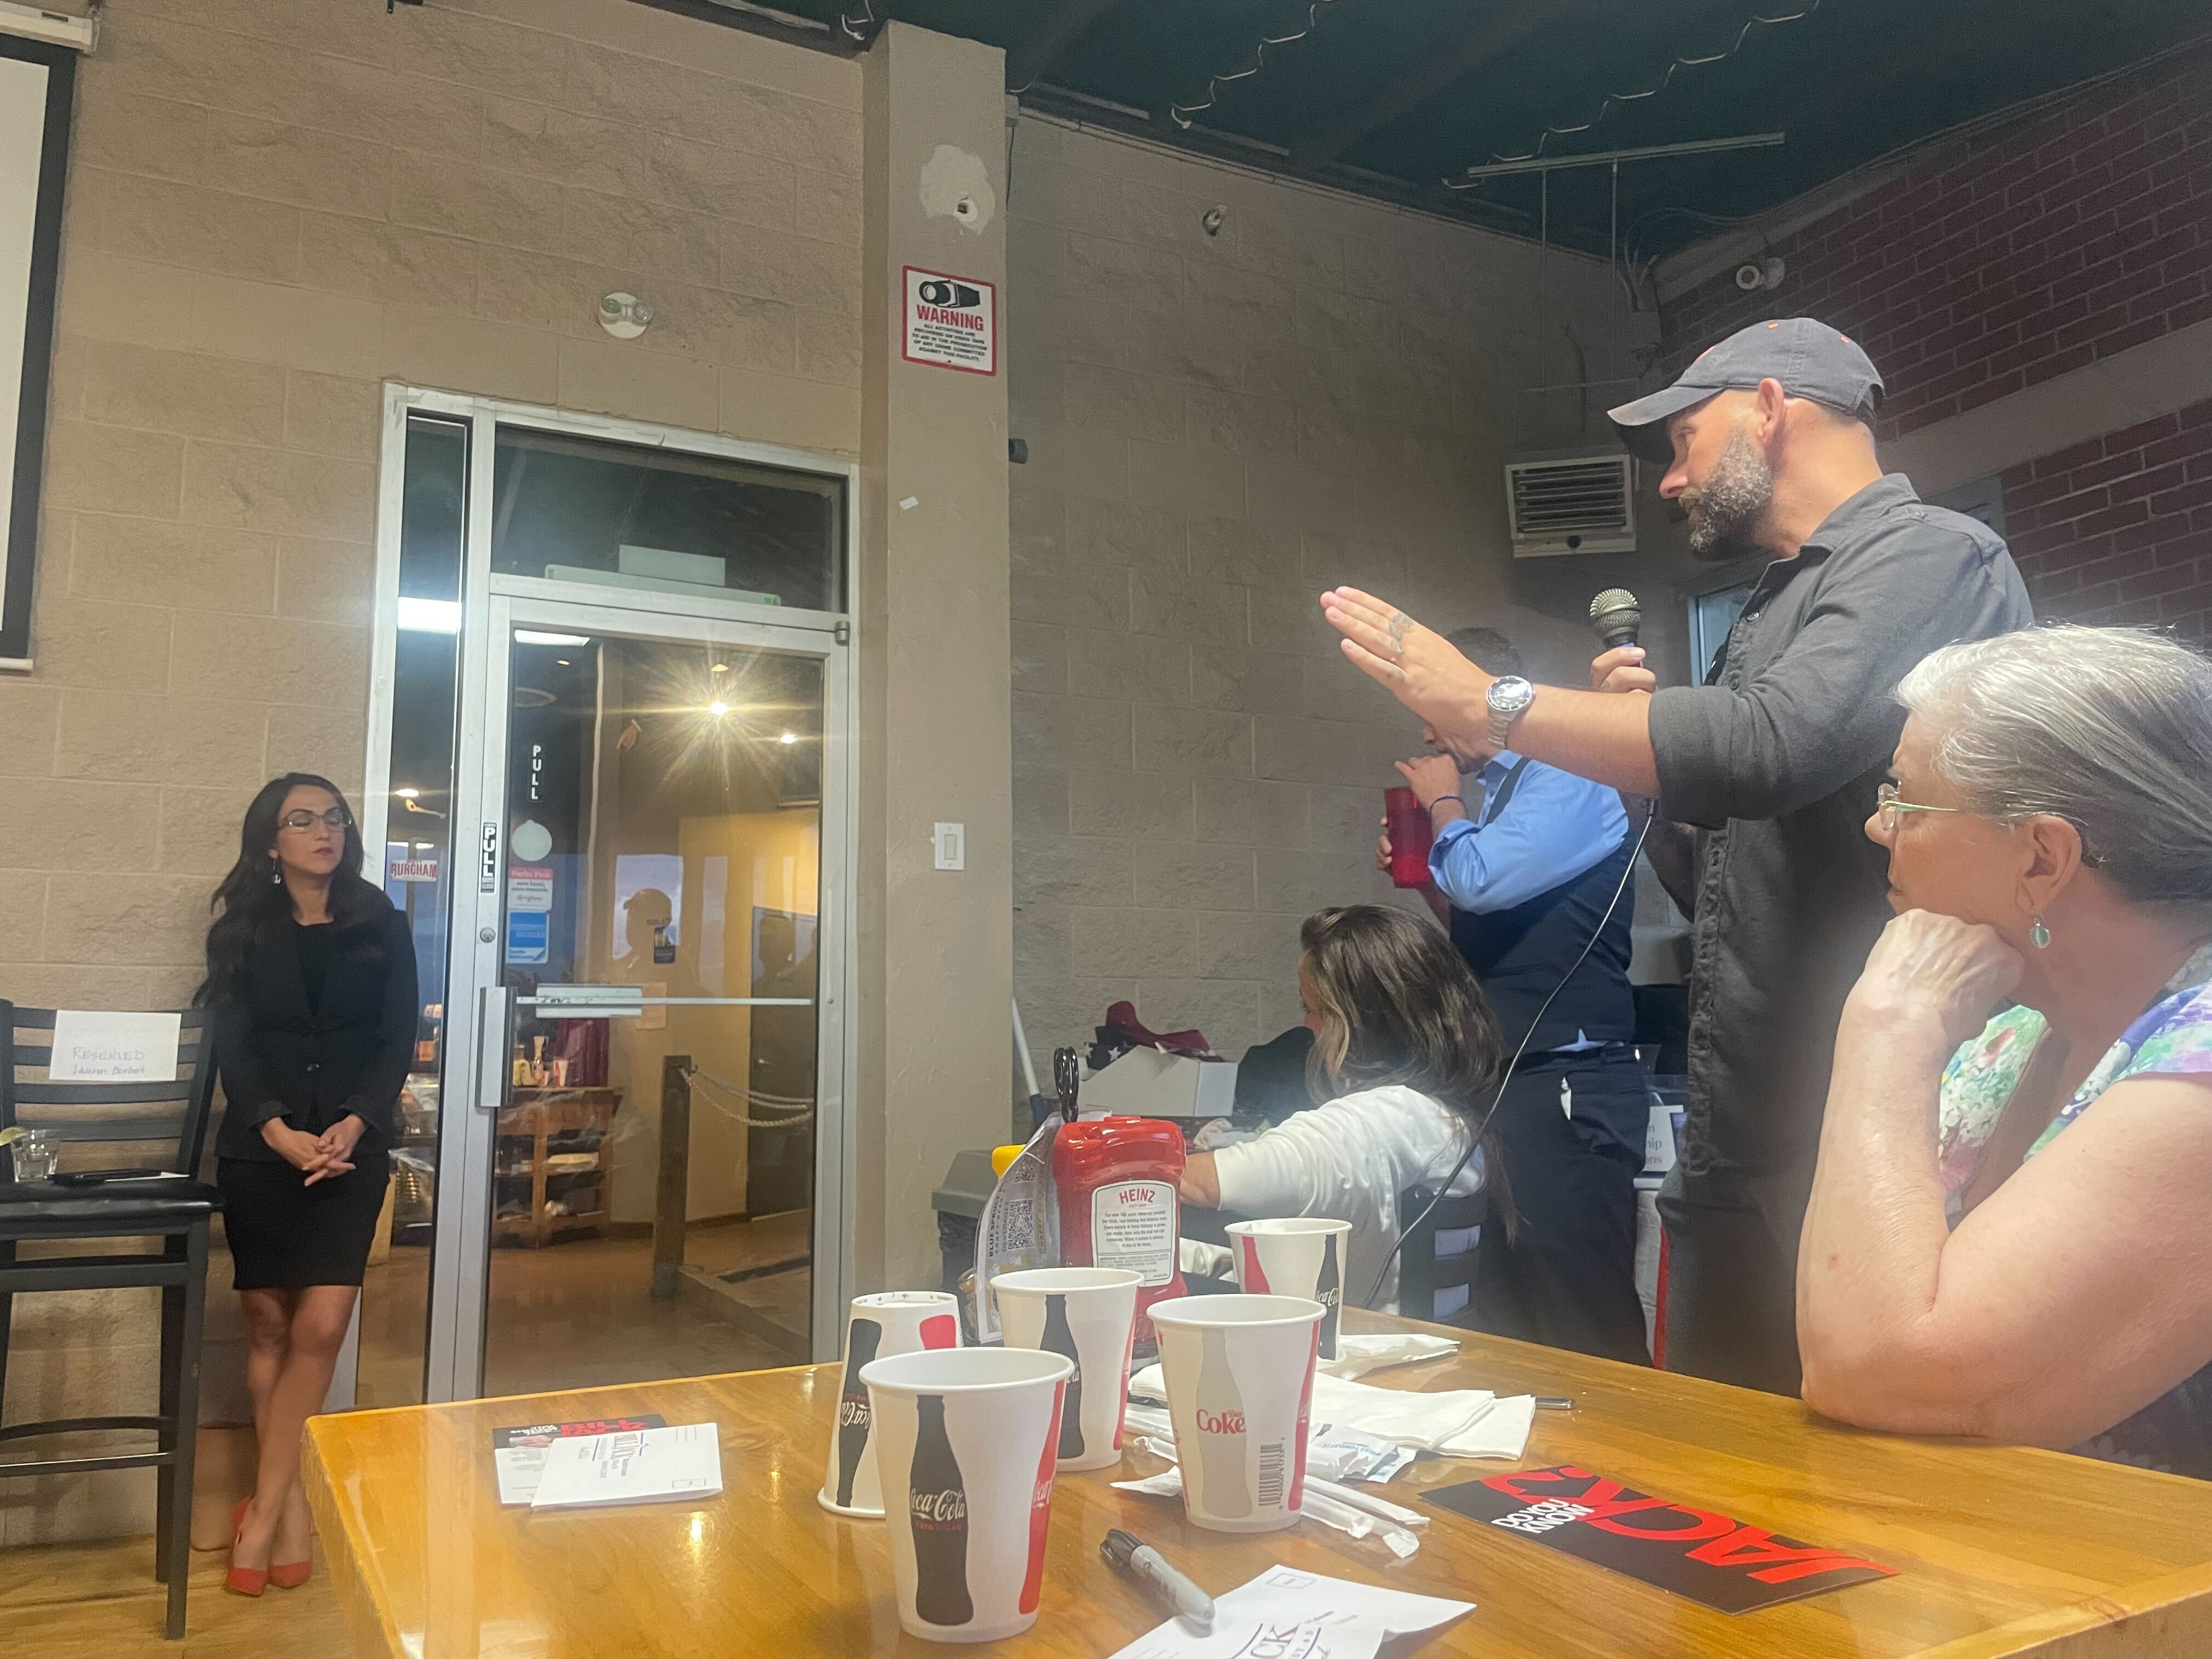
(174,1210)
(1423,1275)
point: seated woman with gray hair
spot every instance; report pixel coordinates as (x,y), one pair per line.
(2010,1234)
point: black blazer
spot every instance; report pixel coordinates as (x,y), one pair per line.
(280,1058)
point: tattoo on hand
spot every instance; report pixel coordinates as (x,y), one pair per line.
(1399,621)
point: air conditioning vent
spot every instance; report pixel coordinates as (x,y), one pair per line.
(1580,504)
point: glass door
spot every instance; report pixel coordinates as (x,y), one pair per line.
(642,1174)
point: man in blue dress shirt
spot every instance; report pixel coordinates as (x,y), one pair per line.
(1526,861)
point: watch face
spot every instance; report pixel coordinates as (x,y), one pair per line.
(1510,696)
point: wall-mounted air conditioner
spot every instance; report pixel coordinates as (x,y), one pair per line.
(1573,504)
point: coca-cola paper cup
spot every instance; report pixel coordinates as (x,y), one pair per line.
(1298,1256)
(1240,1372)
(1089,1315)
(965,1442)
(877,1326)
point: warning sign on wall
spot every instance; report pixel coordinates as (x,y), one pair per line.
(951,321)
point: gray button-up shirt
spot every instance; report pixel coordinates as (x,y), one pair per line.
(1776,759)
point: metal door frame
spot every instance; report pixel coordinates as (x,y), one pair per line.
(492,606)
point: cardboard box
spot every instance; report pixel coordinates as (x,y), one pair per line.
(1152,1083)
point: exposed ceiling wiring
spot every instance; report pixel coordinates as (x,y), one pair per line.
(1181,113)
(861,23)
(1615,99)
(1642,266)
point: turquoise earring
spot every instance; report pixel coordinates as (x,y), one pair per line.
(2039,935)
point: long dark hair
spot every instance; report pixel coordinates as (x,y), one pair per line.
(248,899)
(1398,1004)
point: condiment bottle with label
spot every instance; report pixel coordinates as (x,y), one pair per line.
(1116,1179)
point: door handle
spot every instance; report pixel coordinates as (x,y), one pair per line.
(491,1047)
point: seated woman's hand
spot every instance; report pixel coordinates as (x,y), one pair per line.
(1936,973)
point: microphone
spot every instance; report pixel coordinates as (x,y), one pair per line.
(1616,616)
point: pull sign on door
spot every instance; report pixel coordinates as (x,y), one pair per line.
(488,865)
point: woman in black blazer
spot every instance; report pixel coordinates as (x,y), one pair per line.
(311,973)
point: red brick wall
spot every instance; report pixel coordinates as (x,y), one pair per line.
(2042,247)
(2047,245)
(2119,529)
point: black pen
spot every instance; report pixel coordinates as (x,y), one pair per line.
(1126,1553)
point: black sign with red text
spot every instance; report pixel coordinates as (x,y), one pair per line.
(1713,1559)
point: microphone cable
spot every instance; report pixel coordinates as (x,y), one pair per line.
(1505,1079)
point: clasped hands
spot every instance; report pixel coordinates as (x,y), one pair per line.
(321,1157)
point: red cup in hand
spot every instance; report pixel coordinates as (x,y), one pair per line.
(1411,834)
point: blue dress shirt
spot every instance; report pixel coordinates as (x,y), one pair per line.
(1555,827)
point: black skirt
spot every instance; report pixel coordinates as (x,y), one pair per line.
(285,1235)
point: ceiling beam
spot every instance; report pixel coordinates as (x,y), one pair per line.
(1048,43)
(1505,24)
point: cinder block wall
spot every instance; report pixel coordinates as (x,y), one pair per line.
(274,206)
(1220,426)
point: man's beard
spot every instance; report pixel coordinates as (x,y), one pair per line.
(1724,510)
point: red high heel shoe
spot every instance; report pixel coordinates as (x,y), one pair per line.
(290,1575)
(243,1581)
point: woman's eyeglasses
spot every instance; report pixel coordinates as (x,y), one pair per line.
(1886,804)
(336,818)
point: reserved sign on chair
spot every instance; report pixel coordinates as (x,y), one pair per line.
(101,1047)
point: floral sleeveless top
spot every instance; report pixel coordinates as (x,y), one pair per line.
(2173,1037)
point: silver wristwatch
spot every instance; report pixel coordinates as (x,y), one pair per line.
(1508,700)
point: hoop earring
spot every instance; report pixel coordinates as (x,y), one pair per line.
(2039,935)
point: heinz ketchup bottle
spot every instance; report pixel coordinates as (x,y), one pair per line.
(1116,1180)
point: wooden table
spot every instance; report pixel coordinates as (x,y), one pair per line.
(2002,1550)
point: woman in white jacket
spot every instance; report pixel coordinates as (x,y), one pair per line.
(1406,1053)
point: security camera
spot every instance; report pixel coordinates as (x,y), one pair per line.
(1753,274)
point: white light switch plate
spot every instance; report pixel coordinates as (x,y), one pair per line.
(951,841)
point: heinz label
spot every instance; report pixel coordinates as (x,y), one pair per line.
(1133,1227)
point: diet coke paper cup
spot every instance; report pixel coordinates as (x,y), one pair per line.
(1240,1372)
(1298,1256)
(965,1442)
(877,1326)
(1088,1314)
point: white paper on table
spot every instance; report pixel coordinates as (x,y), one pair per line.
(635,1465)
(98,1046)
(1300,1615)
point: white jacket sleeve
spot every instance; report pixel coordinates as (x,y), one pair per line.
(1348,1159)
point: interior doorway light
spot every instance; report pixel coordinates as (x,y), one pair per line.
(430,616)
(788,737)
(530,636)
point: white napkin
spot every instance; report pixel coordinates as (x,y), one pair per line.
(1356,1356)
(1452,1423)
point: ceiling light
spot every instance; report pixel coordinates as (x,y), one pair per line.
(560,662)
(408,794)
(719,668)
(430,616)
(717,708)
(528,636)
(788,737)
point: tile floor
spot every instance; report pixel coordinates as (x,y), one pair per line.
(581,1313)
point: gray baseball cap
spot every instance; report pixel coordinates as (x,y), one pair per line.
(1810,359)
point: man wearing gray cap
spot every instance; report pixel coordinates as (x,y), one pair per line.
(1767,440)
